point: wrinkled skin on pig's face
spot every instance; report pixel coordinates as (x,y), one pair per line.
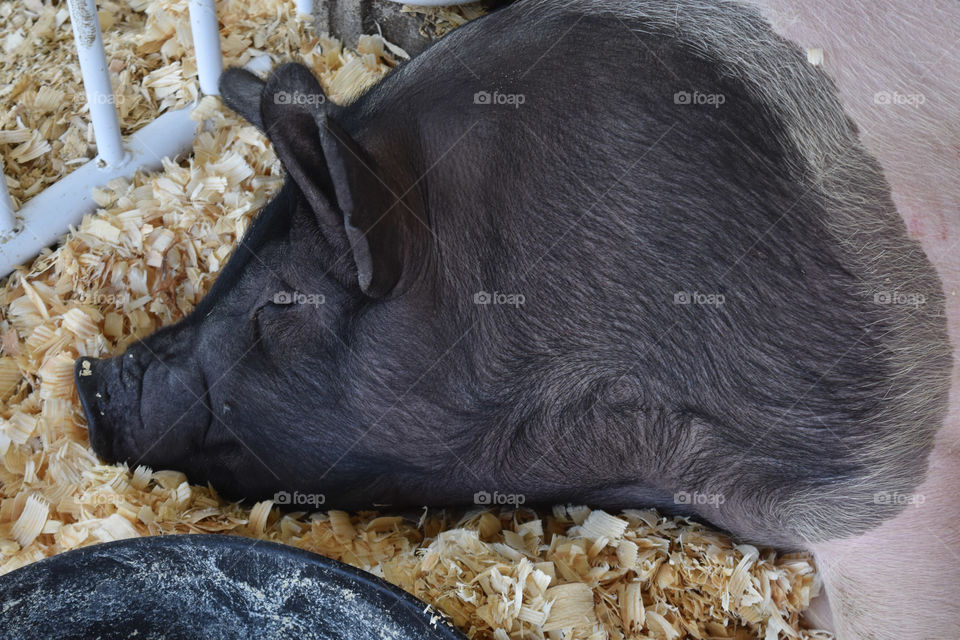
(548,277)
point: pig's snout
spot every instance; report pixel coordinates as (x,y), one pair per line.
(110,400)
(86,376)
(140,407)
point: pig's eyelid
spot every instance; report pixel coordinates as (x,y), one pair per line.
(257,323)
(257,335)
(286,303)
(282,294)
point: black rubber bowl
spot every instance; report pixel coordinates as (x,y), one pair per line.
(207,587)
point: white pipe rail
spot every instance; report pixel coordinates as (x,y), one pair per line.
(46,217)
(206,44)
(96,81)
(305,7)
(8,221)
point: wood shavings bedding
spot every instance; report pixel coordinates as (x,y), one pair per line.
(150,55)
(147,257)
(438,21)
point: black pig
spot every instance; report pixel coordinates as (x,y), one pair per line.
(626,254)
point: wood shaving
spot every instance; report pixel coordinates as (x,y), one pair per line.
(146,258)
(150,55)
(439,21)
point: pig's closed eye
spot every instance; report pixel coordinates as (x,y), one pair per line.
(263,313)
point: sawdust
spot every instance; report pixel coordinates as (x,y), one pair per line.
(438,21)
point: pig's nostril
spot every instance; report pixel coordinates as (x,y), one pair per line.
(85,379)
(87,376)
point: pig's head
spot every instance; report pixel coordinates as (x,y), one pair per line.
(299,348)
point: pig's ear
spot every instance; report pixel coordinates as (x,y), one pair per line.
(241,90)
(372,214)
(342,183)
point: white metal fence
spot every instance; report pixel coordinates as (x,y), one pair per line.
(43,219)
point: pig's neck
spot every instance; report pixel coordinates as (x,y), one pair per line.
(901,580)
